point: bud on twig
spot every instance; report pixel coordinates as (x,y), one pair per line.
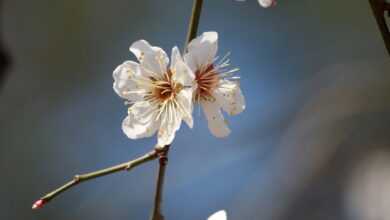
(39,204)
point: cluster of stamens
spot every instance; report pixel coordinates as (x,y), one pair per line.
(166,88)
(207,80)
(208,76)
(164,94)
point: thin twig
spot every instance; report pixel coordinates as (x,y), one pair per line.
(89,176)
(4,57)
(379,7)
(163,160)
(194,21)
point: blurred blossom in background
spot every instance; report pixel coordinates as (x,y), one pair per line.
(313,142)
(369,192)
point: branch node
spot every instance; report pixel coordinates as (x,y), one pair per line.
(129,166)
(76,178)
(162,154)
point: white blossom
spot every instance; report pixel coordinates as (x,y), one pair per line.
(217,88)
(220,215)
(267,3)
(264,3)
(159,96)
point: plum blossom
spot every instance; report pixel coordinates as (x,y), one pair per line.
(220,215)
(265,3)
(159,96)
(216,88)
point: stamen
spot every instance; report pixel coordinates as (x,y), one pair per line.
(161,109)
(229,73)
(223,59)
(208,77)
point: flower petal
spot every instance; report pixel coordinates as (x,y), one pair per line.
(170,123)
(220,215)
(124,85)
(182,73)
(175,56)
(267,3)
(216,122)
(153,60)
(184,99)
(229,97)
(140,121)
(202,51)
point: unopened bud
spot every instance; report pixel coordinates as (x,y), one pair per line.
(39,204)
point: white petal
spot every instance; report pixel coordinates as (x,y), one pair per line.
(175,56)
(184,99)
(267,3)
(230,97)
(124,85)
(182,73)
(216,122)
(140,121)
(202,50)
(220,215)
(152,59)
(170,123)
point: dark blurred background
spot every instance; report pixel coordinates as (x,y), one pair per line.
(313,142)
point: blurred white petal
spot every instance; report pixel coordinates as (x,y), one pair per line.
(267,3)
(220,215)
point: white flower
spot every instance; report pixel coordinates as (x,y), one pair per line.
(159,96)
(220,215)
(264,3)
(267,3)
(217,88)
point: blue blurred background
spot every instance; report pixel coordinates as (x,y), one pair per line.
(313,142)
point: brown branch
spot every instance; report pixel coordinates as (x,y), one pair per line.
(194,21)
(4,57)
(379,7)
(163,160)
(89,176)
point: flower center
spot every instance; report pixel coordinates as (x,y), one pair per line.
(166,88)
(207,80)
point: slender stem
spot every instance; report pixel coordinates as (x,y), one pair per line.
(163,160)
(379,7)
(92,175)
(4,57)
(194,21)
